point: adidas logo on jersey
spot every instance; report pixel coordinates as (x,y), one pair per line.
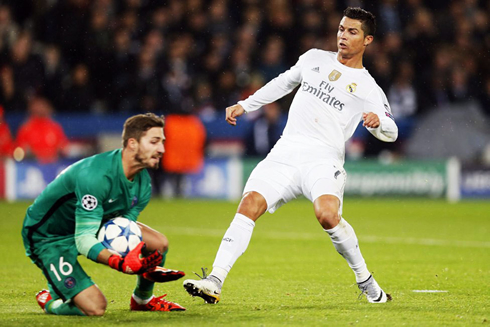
(316,69)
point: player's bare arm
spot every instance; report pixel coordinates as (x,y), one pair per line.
(233,112)
(370,119)
(104,256)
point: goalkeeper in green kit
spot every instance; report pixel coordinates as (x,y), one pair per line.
(63,221)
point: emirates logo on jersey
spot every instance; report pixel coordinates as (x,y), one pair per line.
(324,93)
(334,75)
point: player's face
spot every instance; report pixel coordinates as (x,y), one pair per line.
(150,148)
(350,38)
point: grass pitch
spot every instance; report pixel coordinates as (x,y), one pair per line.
(290,274)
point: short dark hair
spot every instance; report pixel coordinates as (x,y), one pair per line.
(137,125)
(367,19)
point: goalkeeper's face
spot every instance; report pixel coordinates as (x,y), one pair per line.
(150,148)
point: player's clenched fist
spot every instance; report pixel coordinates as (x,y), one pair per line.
(134,262)
(233,112)
(370,120)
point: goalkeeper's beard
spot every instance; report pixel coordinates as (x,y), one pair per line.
(141,161)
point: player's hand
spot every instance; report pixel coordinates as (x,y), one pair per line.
(233,112)
(134,262)
(370,120)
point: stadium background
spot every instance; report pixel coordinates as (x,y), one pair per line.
(98,62)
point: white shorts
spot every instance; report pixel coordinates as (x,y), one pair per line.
(291,170)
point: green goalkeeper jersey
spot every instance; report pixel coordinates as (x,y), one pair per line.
(84,195)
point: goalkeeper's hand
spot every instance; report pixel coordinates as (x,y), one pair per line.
(134,262)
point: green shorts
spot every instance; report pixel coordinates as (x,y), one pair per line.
(58,261)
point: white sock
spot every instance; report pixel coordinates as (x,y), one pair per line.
(142,301)
(345,241)
(233,245)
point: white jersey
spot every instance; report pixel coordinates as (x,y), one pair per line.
(329,103)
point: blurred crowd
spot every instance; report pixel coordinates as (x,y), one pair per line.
(200,56)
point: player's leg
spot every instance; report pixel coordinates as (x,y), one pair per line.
(233,245)
(268,187)
(143,298)
(341,233)
(324,186)
(154,241)
(238,235)
(157,241)
(90,301)
(71,291)
(344,239)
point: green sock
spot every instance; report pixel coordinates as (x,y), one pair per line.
(144,287)
(58,307)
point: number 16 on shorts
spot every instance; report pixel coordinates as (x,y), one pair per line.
(58,261)
(65,268)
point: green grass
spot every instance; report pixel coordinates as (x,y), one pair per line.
(290,274)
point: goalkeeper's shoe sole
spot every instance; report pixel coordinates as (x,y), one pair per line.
(204,288)
(163,275)
(373,292)
(43,297)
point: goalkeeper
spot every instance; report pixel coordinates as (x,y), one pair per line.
(63,222)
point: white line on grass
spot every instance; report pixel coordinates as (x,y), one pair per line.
(310,236)
(425,241)
(429,291)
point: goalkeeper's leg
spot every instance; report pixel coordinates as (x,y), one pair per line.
(154,241)
(71,290)
(89,302)
(143,293)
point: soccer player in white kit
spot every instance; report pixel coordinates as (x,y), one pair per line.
(335,93)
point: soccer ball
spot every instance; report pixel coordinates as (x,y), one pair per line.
(120,235)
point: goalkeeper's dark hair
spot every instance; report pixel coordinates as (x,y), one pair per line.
(367,19)
(136,126)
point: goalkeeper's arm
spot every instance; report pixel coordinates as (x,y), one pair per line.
(134,262)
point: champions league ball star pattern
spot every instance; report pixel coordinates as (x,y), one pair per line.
(120,235)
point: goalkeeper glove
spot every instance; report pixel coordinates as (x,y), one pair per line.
(134,262)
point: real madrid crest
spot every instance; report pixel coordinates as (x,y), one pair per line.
(351,87)
(334,75)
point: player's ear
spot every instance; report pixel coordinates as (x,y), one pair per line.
(367,40)
(132,143)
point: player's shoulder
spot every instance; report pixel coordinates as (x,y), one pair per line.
(102,164)
(369,83)
(376,88)
(318,53)
(369,79)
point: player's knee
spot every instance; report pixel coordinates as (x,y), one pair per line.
(161,243)
(252,205)
(96,312)
(97,307)
(327,218)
